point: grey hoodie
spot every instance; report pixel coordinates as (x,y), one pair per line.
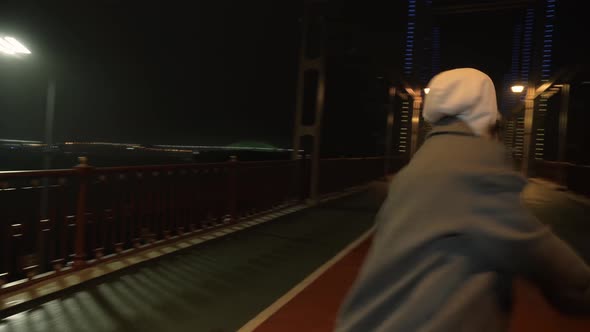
(450,237)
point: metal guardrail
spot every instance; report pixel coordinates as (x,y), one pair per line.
(574,177)
(91,215)
(341,173)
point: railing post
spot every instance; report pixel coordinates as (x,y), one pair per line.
(299,180)
(80,245)
(562,146)
(389,130)
(416,110)
(232,189)
(529,110)
(305,179)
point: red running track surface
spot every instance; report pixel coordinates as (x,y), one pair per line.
(316,307)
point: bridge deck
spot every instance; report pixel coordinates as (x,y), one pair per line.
(566,215)
(221,285)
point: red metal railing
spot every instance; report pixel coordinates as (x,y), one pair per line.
(93,214)
(341,173)
(56,221)
(575,177)
(270,185)
(554,171)
(31,241)
(578,179)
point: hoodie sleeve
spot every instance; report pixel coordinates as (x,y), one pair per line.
(515,241)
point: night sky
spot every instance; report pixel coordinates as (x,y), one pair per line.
(205,73)
(215,72)
(477,40)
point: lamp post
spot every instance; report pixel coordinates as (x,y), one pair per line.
(529,107)
(10,46)
(391,92)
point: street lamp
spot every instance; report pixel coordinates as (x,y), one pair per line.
(517,88)
(12,47)
(529,107)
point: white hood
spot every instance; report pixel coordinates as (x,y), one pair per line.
(466,93)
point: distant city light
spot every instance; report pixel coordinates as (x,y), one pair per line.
(517,88)
(10,45)
(426,90)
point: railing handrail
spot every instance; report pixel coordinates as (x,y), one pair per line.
(81,221)
(562,163)
(147,168)
(36,173)
(352,158)
(267,162)
(140,168)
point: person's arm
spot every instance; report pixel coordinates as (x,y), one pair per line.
(506,233)
(560,273)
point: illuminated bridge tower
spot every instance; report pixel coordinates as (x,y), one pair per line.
(526,52)
(431,65)
(509,99)
(417,70)
(545,41)
(531,65)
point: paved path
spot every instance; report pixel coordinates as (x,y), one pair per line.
(216,286)
(221,285)
(315,308)
(569,218)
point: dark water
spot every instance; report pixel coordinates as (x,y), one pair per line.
(27,158)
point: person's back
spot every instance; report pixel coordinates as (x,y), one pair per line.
(452,233)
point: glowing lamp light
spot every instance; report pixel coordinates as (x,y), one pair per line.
(6,47)
(517,88)
(426,91)
(10,45)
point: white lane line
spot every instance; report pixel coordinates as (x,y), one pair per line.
(283,300)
